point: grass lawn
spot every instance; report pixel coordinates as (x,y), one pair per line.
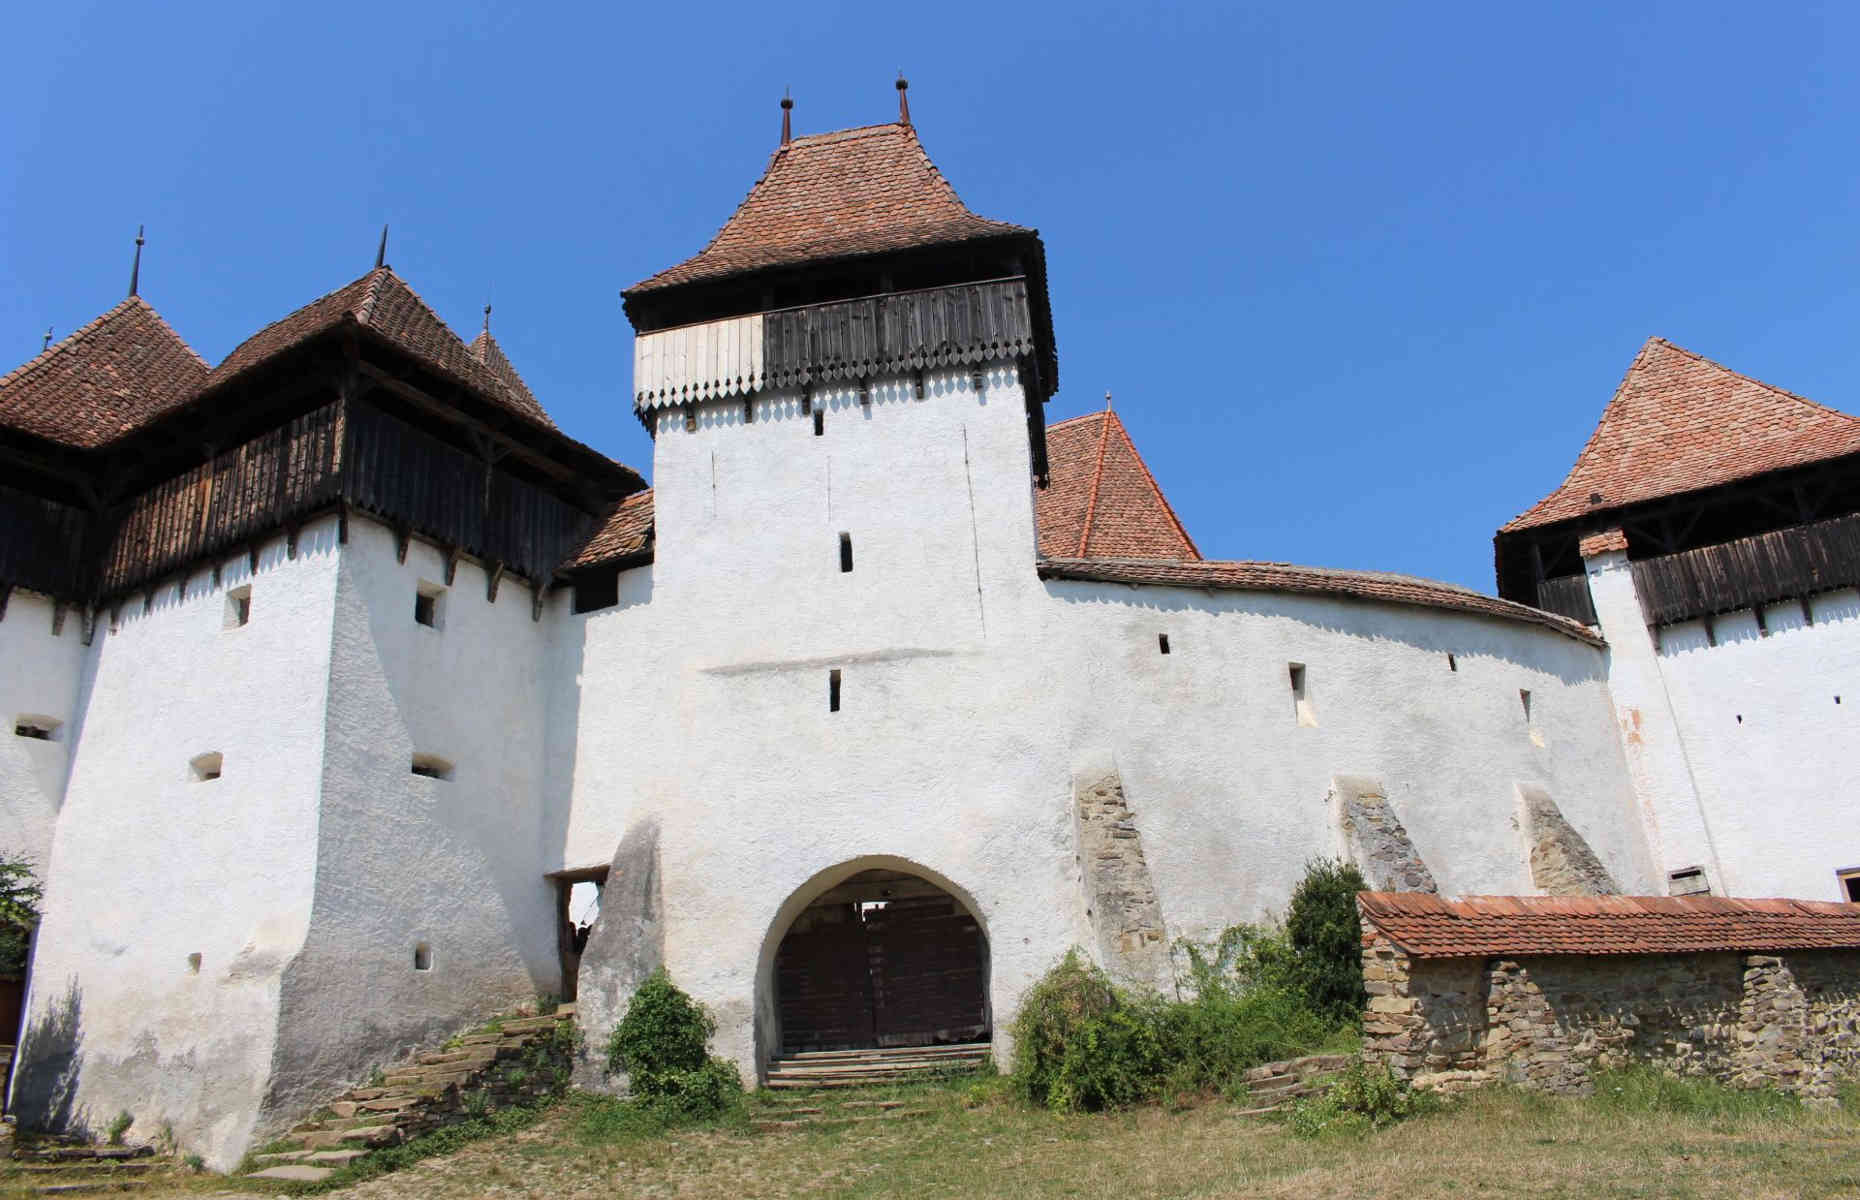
(1492,1143)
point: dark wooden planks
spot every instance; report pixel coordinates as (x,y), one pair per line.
(1743,573)
(900,331)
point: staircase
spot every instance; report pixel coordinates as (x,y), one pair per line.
(1275,1085)
(508,1062)
(56,1168)
(863,1068)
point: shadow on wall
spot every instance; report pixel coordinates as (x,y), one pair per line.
(1438,631)
(46,1081)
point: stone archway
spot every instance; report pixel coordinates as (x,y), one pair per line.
(874,953)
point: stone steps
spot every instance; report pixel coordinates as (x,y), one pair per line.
(865,1068)
(412,1098)
(1273,1086)
(75,1170)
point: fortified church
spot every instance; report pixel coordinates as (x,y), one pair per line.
(328,670)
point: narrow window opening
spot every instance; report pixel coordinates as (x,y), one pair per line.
(1837,699)
(193,962)
(1740,718)
(1162,643)
(238,606)
(820,423)
(206,767)
(422,957)
(865,393)
(845,553)
(431,766)
(597,590)
(1301,697)
(1453,664)
(807,402)
(39,729)
(428,605)
(1530,721)
(1850,884)
(749,412)
(1688,881)
(833,690)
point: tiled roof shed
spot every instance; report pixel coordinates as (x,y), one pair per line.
(1101,500)
(1430,926)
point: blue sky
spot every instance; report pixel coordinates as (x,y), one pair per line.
(1361,278)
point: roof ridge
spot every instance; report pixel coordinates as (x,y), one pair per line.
(1097,482)
(1154,486)
(1766,386)
(270,325)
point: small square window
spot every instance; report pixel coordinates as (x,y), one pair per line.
(1850,884)
(206,767)
(422,957)
(429,605)
(238,606)
(1690,881)
(39,729)
(431,766)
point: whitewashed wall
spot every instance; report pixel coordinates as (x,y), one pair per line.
(972,692)
(1771,749)
(40,674)
(456,864)
(150,866)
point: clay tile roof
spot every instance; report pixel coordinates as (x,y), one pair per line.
(625,531)
(1428,926)
(485,349)
(1679,423)
(1374,586)
(1602,542)
(123,369)
(836,195)
(383,303)
(1101,500)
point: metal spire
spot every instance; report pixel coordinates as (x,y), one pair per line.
(904,99)
(381,251)
(135,271)
(1107,401)
(47,343)
(487,320)
(787,107)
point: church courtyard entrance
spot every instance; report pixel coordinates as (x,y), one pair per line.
(883,959)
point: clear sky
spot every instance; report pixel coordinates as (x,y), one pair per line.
(1360,277)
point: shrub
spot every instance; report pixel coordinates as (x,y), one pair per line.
(1326,937)
(1112,1060)
(1054,1010)
(1362,1099)
(661,1043)
(120,1126)
(19,911)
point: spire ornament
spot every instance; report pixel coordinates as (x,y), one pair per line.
(135,270)
(381,250)
(904,99)
(47,343)
(487,320)
(787,107)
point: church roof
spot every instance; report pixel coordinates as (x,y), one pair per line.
(122,370)
(625,530)
(381,302)
(1679,423)
(1376,586)
(1101,500)
(853,192)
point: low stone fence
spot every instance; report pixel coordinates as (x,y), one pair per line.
(1544,991)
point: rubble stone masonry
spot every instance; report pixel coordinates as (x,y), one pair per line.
(1789,1020)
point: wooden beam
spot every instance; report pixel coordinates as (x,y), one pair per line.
(6,593)
(536,600)
(58,619)
(452,562)
(494,575)
(403,533)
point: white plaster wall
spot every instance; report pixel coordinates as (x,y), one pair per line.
(149,866)
(402,859)
(972,692)
(1774,784)
(40,673)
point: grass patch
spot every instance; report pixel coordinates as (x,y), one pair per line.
(449,1140)
(1647,1090)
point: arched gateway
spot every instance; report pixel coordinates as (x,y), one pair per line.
(879,955)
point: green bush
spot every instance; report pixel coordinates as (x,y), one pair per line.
(1112,1060)
(661,1043)
(19,911)
(1362,1099)
(1071,995)
(1326,937)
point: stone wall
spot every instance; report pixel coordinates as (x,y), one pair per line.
(1790,1021)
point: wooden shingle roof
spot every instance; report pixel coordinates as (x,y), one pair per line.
(122,370)
(1679,423)
(1428,926)
(853,192)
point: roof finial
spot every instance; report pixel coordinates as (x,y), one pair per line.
(904,99)
(787,106)
(1107,401)
(487,320)
(381,250)
(47,343)
(135,271)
